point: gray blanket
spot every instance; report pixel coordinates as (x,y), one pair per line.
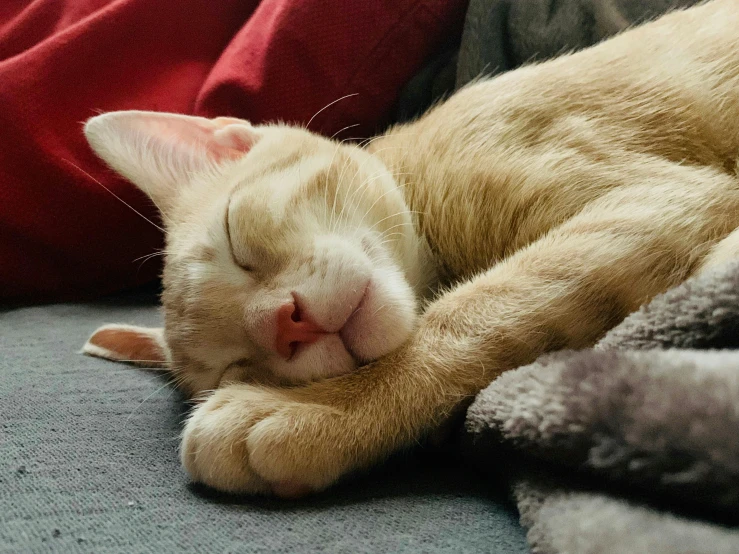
(633,445)
(500,35)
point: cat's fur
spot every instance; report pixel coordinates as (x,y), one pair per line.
(550,202)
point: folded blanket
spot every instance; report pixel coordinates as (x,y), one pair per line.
(634,441)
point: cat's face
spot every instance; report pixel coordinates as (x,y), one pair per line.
(290,257)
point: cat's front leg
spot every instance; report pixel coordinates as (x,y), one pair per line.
(214,447)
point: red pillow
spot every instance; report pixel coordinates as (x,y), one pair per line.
(62,234)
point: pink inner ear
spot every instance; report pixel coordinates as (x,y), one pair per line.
(128,345)
(232,141)
(223,138)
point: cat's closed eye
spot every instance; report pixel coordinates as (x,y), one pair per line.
(242,264)
(248,267)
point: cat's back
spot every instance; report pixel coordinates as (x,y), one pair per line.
(670,87)
(522,153)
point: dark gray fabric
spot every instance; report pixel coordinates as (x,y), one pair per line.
(88,463)
(500,35)
(658,427)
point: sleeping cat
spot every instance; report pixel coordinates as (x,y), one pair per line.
(387,284)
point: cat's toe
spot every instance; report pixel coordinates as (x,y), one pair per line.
(250,440)
(301,448)
(214,450)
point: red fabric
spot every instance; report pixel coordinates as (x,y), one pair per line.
(61,61)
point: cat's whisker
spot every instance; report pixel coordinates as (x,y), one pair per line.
(344,129)
(349,139)
(364,162)
(167,384)
(307,126)
(365,143)
(134,210)
(369,158)
(157,252)
(351,195)
(325,189)
(396,214)
(389,240)
(369,210)
(334,221)
(365,184)
(403,224)
(357,205)
(378,310)
(387,235)
(145,258)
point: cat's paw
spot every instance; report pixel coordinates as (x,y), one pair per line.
(245,439)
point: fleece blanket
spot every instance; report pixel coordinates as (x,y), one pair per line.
(62,233)
(631,446)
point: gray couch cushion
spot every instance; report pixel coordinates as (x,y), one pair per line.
(88,463)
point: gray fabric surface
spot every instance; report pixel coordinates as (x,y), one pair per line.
(88,463)
(500,35)
(635,441)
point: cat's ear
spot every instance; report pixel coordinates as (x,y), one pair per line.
(160,152)
(142,346)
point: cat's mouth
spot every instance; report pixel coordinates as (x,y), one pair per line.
(365,333)
(381,319)
(349,332)
(348,335)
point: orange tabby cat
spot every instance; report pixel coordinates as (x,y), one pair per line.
(547,203)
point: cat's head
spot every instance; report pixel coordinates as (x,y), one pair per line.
(289,257)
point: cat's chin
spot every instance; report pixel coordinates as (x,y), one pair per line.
(327,357)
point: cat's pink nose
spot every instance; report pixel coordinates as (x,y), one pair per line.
(293,329)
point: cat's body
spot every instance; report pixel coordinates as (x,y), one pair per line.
(550,202)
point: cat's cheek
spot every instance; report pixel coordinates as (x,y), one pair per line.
(384,322)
